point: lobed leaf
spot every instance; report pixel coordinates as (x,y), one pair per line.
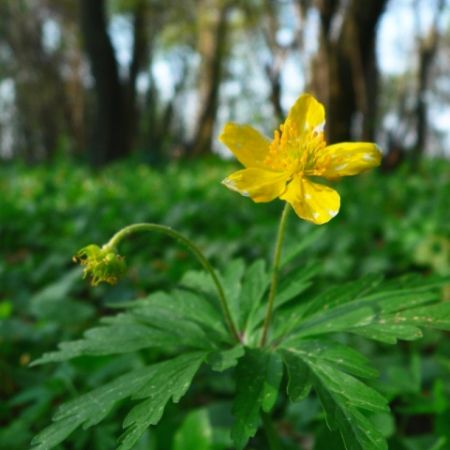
(224,359)
(328,367)
(170,381)
(157,384)
(258,376)
(177,321)
(333,353)
(296,283)
(367,313)
(357,431)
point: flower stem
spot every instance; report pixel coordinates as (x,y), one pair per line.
(271,435)
(275,268)
(138,227)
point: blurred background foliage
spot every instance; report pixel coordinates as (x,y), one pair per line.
(109,112)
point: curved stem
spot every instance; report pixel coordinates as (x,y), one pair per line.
(275,268)
(272,438)
(138,227)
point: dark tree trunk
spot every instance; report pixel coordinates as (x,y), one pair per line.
(345,71)
(140,57)
(278,56)
(212,43)
(427,51)
(110,133)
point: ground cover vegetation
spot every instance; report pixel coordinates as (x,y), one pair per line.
(380,233)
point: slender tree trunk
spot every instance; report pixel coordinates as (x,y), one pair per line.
(345,71)
(212,47)
(278,55)
(427,51)
(110,135)
(140,57)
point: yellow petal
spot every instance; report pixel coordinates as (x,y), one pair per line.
(347,158)
(248,145)
(259,184)
(313,202)
(307,114)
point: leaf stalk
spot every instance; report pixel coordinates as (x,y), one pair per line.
(194,249)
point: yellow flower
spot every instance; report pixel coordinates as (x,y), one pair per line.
(282,167)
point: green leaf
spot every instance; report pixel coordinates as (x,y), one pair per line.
(176,321)
(299,383)
(254,285)
(434,316)
(357,432)
(296,283)
(56,433)
(258,378)
(195,432)
(191,306)
(388,333)
(223,360)
(367,314)
(329,366)
(296,247)
(338,355)
(157,383)
(231,277)
(121,335)
(344,293)
(350,388)
(171,380)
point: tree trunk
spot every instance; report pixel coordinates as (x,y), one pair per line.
(345,74)
(110,132)
(212,47)
(140,57)
(427,50)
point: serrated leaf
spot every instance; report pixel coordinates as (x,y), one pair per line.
(347,292)
(338,355)
(354,391)
(254,285)
(366,311)
(299,383)
(341,394)
(258,378)
(388,333)
(322,302)
(296,283)
(191,306)
(357,432)
(189,334)
(199,281)
(170,377)
(176,321)
(434,316)
(224,359)
(90,408)
(121,336)
(171,380)
(295,248)
(231,277)
(54,434)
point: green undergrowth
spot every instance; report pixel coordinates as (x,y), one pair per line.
(383,253)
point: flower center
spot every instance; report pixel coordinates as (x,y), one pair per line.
(295,151)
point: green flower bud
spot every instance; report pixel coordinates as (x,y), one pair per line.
(101,264)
